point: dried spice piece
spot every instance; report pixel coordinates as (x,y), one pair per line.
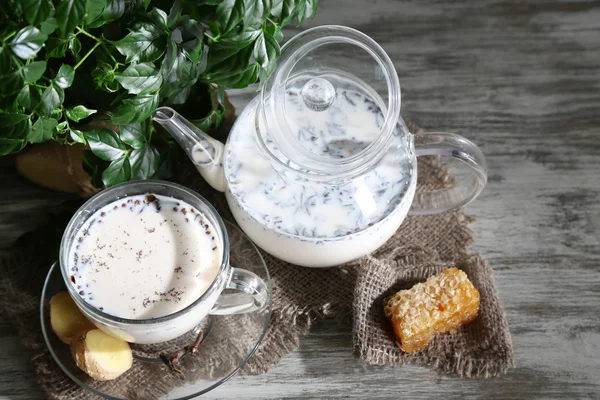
(173,359)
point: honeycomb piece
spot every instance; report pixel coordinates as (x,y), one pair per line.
(441,304)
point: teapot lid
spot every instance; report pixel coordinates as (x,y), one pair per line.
(333,85)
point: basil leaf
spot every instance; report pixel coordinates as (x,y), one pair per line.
(29,97)
(170,58)
(42,130)
(203,124)
(211,120)
(287,12)
(180,97)
(232,55)
(144,161)
(5,60)
(104,77)
(94,9)
(169,161)
(9,120)
(215,31)
(230,13)
(174,13)
(135,109)
(56,47)
(236,42)
(140,78)
(113,10)
(141,45)
(266,52)
(64,77)
(9,146)
(158,17)
(48,26)
(52,97)
(118,171)
(227,62)
(191,39)
(56,113)
(256,11)
(182,75)
(74,45)
(105,144)
(36,11)
(239,80)
(220,96)
(305,9)
(27,42)
(11,83)
(133,135)
(276,8)
(69,14)
(77,136)
(61,127)
(78,113)
(14,128)
(34,71)
(275,31)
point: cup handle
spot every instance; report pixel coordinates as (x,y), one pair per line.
(467,186)
(253,294)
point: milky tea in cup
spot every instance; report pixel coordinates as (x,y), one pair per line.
(149,267)
(144,256)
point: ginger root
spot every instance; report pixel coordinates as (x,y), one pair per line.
(56,166)
(100,355)
(66,319)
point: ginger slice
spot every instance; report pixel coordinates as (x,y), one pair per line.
(66,319)
(100,355)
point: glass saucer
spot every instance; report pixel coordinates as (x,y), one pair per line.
(228,343)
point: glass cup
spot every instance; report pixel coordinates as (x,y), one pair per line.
(251,292)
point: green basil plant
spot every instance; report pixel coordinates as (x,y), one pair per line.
(64,63)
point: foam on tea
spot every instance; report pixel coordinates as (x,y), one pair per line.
(144,256)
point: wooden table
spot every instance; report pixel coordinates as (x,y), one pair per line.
(522,79)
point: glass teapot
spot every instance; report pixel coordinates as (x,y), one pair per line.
(320,169)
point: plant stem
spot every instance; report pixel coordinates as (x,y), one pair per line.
(109,54)
(150,130)
(66,118)
(13,33)
(89,165)
(87,55)
(86,33)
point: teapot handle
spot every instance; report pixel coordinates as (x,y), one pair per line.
(468,182)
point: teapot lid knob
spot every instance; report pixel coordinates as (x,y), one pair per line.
(318,94)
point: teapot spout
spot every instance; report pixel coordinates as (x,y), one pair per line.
(205,152)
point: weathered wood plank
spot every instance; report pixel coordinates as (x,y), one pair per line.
(522,80)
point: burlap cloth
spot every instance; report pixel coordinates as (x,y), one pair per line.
(423,246)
